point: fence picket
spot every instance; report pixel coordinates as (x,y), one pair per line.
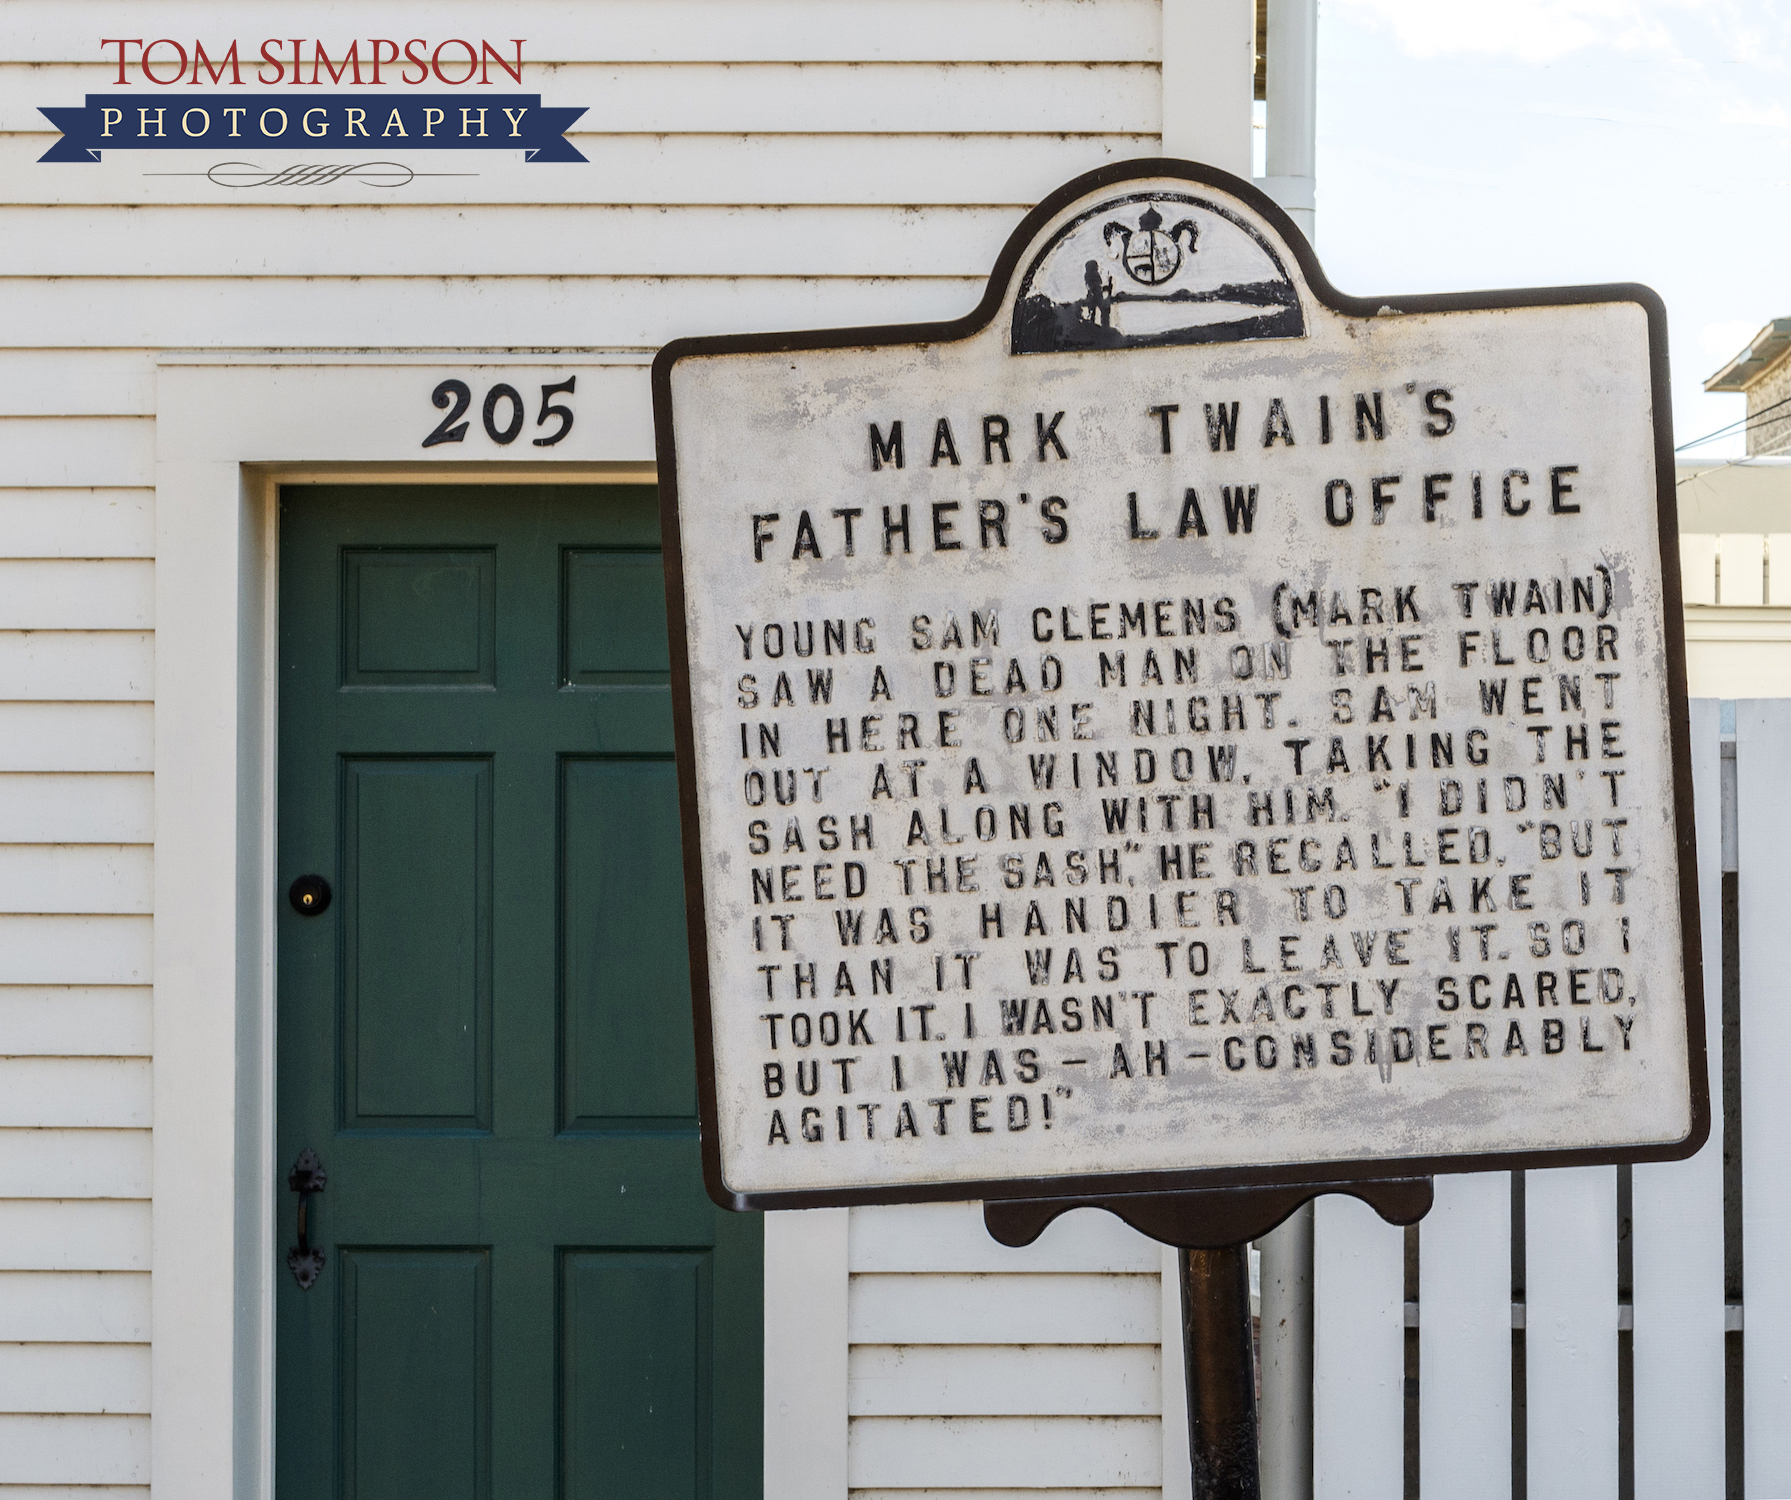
(1677,1218)
(1570,1342)
(1763,795)
(1358,1354)
(1464,1340)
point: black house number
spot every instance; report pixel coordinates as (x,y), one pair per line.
(503,405)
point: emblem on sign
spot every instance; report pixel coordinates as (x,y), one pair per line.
(1151,256)
(1212,277)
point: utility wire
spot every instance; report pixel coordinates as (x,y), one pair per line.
(1744,423)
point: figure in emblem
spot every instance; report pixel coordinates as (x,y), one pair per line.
(1098,304)
(1149,255)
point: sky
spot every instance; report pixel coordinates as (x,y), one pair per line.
(1465,144)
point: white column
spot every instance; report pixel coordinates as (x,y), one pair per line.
(1209,71)
(1570,1343)
(1677,1214)
(1178,1469)
(1763,800)
(806,1348)
(1464,1340)
(1286,1413)
(1292,123)
(1358,1354)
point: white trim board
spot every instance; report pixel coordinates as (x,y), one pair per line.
(227,435)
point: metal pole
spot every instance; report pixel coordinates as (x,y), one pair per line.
(1290,158)
(1221,1372)
(1287,1359)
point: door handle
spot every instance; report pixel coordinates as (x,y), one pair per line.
(306,1177)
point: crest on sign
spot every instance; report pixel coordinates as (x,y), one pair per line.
(1147,269)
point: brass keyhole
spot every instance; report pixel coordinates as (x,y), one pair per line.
(310,894)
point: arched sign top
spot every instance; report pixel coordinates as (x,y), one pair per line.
(1153,268)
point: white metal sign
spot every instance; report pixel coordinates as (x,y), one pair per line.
(1181,724)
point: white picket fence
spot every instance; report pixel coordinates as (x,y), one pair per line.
(1639,1364)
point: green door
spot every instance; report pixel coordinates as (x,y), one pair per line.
(485,1036)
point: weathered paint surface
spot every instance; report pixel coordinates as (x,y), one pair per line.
(1263,738)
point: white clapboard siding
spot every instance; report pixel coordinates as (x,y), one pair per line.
(75,1021)
(74,1377)
(758,169)
(70,382)
(76,522)
(74,666)
(48,808)
(1697,567)
(1743,568)
(976,1368)
(1676,1215)
(1464,1338)
(667,30)
(80,1492)
(1570,1332)
(1358,1353)
(993,1380)
(80,1450)
(79,1093)
(75,877)
(1008,1452)
(79,1163)
(430,312)
(409,238)
(935,1492)
(104,1234)
(421,313)
(75,737)
(1763,797)
(1004,1310)
(776,97)
(82,452)
(938,1237)
(74,950)
(86,1307)
(76,594)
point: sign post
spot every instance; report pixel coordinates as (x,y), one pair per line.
(1182,739)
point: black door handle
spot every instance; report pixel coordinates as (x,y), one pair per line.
(306,1177)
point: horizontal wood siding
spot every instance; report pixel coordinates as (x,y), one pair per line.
(77,1450)
(87,1307)
(762,98)
(775,163)
(75,1020)
(979,1369)
(49,31)
(77,522)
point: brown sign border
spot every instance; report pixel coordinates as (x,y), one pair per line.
(980,317)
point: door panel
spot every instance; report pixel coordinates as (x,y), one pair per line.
(610,596)
(416,914)
(486,1037)
(424,618)
(405,1312)
(627,1065)
(645,1314)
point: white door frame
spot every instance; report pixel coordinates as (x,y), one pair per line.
(229,432)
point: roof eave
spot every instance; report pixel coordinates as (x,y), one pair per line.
(1764,350)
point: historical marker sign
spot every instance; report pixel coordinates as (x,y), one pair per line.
(1182,726)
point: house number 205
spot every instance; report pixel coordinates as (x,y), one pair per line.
(502,402)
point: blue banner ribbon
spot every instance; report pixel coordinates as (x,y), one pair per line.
(314,122)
